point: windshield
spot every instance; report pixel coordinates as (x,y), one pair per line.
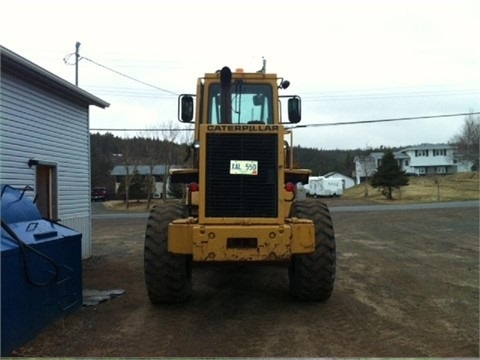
(251,104)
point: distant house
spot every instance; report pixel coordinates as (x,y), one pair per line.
(45,141)
(348,182)
(424,159)
(430,159)
(119,172)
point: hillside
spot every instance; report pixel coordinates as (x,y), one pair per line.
(456,187)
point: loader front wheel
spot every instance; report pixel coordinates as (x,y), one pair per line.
(312,276)
(168,276)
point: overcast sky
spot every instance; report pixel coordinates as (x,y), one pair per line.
(349,60)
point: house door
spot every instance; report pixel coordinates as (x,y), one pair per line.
(46,191)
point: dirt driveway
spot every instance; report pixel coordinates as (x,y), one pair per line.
(407,286)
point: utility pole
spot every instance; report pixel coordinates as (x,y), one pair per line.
(77,57)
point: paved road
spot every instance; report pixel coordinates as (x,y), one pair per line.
(422,206)
(98,211)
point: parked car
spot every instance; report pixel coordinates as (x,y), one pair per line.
(99,194)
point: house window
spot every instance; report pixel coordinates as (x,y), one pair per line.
(46,197)
(421,153)
(441,169)
(440,152)
(406,162)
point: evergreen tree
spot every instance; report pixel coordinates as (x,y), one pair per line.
(137,187)
(389,175)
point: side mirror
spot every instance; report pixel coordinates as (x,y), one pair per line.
(294,109)
(185,108)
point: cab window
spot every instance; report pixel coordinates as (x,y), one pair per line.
(250,103)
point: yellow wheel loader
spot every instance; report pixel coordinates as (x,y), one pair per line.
(242,200)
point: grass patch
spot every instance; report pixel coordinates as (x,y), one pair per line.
(456,187)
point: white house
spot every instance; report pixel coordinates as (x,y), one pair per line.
(430,159)
(45,141)
(424,159)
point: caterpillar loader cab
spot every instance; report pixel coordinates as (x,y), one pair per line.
(240,202)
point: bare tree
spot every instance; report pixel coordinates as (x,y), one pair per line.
(467,142)
(364,166)
(169,135)
(161,149)
(152,151)
(130,165)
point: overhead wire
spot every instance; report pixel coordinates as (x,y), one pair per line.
(316,125)
(383,120)
(126,130)
(68,56)
(346,97)
(341,96)
(130,77)
(120,92)
(129,92)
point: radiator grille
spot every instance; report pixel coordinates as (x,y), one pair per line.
(241,195)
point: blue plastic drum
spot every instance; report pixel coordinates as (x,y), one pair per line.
(16,207)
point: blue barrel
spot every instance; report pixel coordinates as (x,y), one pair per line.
(41,264)
(17,207)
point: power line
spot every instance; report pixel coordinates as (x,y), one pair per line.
(129,77)
(131,93)
(380,96)
(315,125)
(125,130)
(68,56)
(383,120)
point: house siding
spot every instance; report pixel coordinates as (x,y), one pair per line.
(42,125)
(430,160)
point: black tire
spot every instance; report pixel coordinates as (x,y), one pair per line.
(312,276)
(168,276)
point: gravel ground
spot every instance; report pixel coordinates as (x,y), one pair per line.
(407,286)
